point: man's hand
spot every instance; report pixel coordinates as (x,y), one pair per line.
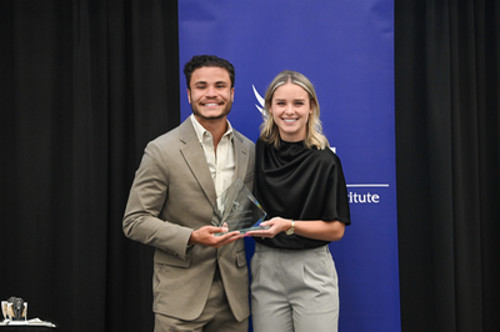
(206,236)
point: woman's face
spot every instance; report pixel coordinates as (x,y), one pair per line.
(290,109)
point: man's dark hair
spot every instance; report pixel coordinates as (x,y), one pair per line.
(199,61)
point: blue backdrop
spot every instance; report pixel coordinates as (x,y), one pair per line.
(346,49)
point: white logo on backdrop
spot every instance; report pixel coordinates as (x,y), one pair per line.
(260,100)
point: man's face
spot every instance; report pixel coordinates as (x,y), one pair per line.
(210,93)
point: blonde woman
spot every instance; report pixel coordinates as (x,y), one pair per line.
(300,183)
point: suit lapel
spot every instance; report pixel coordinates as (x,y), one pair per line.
(194,156)
(241,155)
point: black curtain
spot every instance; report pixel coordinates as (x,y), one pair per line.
(448,173)
(84,85)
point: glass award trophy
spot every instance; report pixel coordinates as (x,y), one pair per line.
(240,210)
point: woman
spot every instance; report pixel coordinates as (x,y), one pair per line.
(299,182)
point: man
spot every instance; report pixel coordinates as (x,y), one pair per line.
(200,279)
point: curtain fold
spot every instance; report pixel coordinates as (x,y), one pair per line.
(447,137)
(85,85)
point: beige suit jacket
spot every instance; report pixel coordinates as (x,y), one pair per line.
(172,195)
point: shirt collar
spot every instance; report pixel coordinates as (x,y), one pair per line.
(202,133)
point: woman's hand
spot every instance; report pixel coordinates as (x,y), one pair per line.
(312,229)
(276,225)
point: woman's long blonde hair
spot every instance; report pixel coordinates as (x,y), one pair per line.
(269,131)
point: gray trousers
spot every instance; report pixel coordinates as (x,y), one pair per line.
(294,290)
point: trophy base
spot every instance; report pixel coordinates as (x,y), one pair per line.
(244,230)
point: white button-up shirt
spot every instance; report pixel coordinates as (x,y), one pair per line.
(221,162)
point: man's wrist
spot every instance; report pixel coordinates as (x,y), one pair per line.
(191,240)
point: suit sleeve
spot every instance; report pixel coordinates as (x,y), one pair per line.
(147,197)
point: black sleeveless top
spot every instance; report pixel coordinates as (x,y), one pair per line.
(302,184)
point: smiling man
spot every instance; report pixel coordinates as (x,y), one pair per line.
(200,279)
(210,94)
